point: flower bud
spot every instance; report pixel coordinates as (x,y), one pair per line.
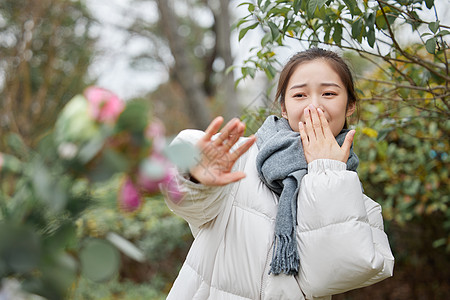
(129,198)
(172,188)
(104,106)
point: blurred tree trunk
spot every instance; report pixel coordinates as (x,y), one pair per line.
(198,38)
(226,91)
(184,71)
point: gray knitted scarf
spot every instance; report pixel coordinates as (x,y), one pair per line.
(281,165)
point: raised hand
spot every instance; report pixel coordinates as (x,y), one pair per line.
(216,159)
(318,140)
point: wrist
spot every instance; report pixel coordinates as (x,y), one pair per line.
(192,178)
(323,164)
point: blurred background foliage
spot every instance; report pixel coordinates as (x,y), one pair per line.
(45,52)
(47,48)
(163,238)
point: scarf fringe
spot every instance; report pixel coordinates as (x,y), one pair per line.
(285,258)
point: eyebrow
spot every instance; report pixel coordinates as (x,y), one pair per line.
(297,86)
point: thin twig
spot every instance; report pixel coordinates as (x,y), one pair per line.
(415,87)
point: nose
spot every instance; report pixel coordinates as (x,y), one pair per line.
(315,100)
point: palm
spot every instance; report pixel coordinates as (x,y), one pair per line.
(318,140)
(216,160)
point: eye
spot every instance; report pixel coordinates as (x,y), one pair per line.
(299,95)
(328,94)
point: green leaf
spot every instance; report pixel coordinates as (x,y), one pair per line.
(20,246)
(356,28)
(321,14)
(99,260)
(153,169)
(229,69)
(320,3)
(244,71)
(135,116)
(296,5)
(183,155)
(16,143)
(271,72)
(337,34)
(311,7)
(47,187)
(380,21)
(326,37)
(74,123)
(10,164)
(274,30)
(243,31)
(126,247)
(442,33)
(241,21)
(244,3)
(371,37)
(252,72)
(430,45)
(268,6)
(236,83)
(434,26)
(429,3)
(91,149)
(114,161)
(65,236)
(266,39)
(370,20)
(352,5)
(439,243)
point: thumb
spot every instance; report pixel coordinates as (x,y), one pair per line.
(348,141)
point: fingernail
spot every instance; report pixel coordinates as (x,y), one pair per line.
(320,110)
(300,125)
(306,112)
(311,106)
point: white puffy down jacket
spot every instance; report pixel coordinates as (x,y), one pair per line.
(340,236)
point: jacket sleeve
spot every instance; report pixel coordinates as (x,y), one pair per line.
(342,244)
(200,204)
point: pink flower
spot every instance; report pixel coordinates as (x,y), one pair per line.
(155,129)
(148,185)
(153,172)
(104,106)
(129,198)
(172,188)
(160,175)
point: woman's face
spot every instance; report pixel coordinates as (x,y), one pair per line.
(316,83)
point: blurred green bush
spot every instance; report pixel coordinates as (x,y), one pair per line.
(163,237)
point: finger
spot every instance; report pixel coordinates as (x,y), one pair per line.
(224,133)
(325,126)
(316,124)
(243,148)
(348,141)
(303,135)
(230,177)
(234,135)
(212,128)
(308,124)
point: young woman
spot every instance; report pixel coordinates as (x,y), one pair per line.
(285,217)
